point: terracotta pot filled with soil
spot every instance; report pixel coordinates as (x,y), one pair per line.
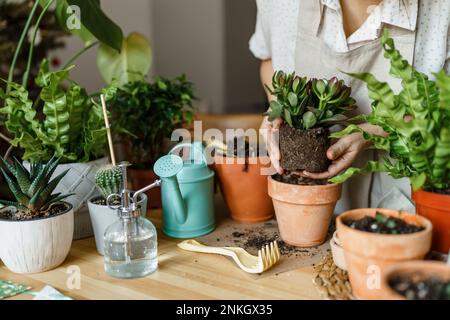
(304,149)
(303,210)
(244,184)
(308,108)
(375,239)
(436,207)
(143,177)
(418,280)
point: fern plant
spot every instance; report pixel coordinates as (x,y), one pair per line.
(305,104)
(64,121)
(417,121)
(33,189)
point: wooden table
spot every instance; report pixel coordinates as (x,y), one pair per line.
(181,275)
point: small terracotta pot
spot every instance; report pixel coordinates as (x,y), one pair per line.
(425,269)
(436,208)
(244,190)
(367,255)
(142,178)
(303,212)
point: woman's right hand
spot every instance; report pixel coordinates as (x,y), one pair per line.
(270,130)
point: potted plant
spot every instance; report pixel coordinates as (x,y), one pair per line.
(36,230)
(109,181)
(417,280)
(145,114)
(417,145)
(374,239)
(242,181)
(63,120)
(304,207)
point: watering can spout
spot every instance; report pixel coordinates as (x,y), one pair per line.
(179,205)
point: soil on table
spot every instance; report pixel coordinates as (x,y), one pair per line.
(253,239)
(291,178)
(419,287)
(18,215)
(383,224)
(304,149)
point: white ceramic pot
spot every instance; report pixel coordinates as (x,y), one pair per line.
(102,217)
(337,252)
(80,180)
(36,245)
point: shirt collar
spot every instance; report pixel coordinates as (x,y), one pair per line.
(399,13)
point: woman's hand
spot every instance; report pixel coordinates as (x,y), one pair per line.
(344,152)
(270,131)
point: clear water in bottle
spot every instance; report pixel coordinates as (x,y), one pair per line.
(131,248)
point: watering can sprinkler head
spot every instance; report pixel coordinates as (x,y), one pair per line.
(167,168)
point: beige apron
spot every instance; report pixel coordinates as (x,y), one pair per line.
(314,59)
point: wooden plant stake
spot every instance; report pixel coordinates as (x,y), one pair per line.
(108,130)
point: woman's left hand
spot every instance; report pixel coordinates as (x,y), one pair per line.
(342,155)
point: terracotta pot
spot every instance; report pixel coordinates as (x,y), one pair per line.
(244,191)
(303,212)
(142,178)
(367,255)
(425,269)
(436,208)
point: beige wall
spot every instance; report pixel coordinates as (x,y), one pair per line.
(206,39)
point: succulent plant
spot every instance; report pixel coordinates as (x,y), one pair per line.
(305,104)
(109,180)
(33,189)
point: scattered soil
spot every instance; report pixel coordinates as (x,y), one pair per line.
(383,224)
(304,149)
(419,287)
(291,178)
(18,215)
(253,239)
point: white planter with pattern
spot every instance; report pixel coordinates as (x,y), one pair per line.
(79,180)
(37,245)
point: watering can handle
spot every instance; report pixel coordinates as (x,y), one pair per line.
(192,147)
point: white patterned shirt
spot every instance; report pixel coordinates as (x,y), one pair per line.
(276,30)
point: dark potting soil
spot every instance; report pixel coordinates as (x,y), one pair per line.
(383,224)
(290,178)
(304,149)
(440,191)
(419,287)
(18,215)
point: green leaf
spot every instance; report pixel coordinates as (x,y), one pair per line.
(309,120)
(95,20)
(371,166)
(287,117)
(418,181)
(293,100)
(130,64)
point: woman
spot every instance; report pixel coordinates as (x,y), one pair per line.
(318,38)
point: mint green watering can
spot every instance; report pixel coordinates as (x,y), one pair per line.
(187,189)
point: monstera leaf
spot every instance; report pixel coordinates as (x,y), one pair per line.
(94,23)
(130,64)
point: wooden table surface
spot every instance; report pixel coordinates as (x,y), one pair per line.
(181,275)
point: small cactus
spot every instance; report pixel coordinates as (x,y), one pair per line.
(109,180)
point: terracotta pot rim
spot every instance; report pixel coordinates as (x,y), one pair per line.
(324,186)
(68,210)
(425,267)
(424,222)
(433,193)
